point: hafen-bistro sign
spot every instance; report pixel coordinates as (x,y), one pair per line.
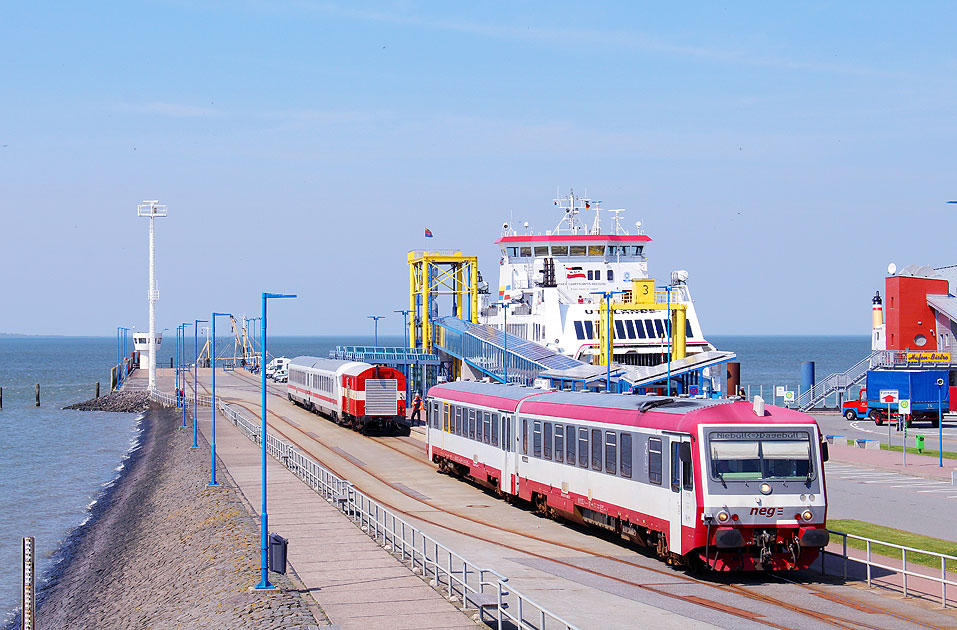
(928,357)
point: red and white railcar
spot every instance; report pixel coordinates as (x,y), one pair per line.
(726,484)
(353,393)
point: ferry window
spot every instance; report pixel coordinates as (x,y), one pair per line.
(675,467)
(590,275)
(611,452)
(626,455)
(688,331)
(471,424)
(541,251)
(547,452)
(650,327)
(589,329)
(630,326)
(537,440)
(577,250)
(579,331)
(659,328)
(639,249)
(445,417)
(596,449)
(570,445)
(524,436)
(512,252)
(596,250)
(620,329)
(495,421)
(486,427)
(611,275)
(525,252)
(667,323)
(654,460)
(559,443)
(559,250)
(583,448)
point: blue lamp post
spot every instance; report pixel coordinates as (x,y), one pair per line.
(196,324)
(504,306)
(376,319)
(405,348)
(607,295)
(940,417)
(184,369)
(264,517)
(176,371)
(212,356)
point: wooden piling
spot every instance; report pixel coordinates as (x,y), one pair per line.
(1,398)
(97,389)
(38,394)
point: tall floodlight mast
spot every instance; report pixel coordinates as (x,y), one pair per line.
(152,209)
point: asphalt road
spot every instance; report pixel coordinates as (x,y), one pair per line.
(834,424)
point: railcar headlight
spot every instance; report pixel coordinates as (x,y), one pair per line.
(765,488)
(807,515)
(722,516)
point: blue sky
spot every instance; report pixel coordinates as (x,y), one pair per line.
(783,154)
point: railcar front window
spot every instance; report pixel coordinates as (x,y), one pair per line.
(756,459)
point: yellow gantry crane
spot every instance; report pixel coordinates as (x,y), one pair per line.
(242,346)
(437,273)
(641,298)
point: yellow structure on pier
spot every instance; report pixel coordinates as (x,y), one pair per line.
(437,273)
(641,298)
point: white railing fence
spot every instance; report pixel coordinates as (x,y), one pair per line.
(462,581)
(944,580)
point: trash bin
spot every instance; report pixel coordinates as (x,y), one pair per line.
(919,439)
(277,553)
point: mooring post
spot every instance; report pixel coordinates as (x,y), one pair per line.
(38,394)
(28,601)
(1,399)
(98,389)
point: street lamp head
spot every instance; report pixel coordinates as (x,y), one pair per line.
(279,295)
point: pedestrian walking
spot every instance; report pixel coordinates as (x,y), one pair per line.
(417,407)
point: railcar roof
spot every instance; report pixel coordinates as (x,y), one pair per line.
(505,397)
(663,404)
(320,362)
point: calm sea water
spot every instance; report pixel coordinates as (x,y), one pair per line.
(57,463)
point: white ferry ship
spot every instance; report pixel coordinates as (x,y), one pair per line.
(549,282)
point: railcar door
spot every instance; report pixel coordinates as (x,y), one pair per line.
(509,471)
(682,490)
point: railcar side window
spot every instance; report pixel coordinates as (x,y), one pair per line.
(596,449)
(507,436)
(547,446)
(471,424)
(626,455)
(458,420)
(537,440)
(486,427)
(654,460)
(570,445)
(445,417)
(495,422)
(675,467)
(583,448)
(559,443)
(687,476)
(611,452)
(524,436)
(479,426)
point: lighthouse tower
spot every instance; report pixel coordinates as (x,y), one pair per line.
(152,209)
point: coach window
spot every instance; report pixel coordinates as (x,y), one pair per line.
(495,422)
(478,426)
(458,420)
(537,440)
(445,417)
(654,460)
(596,449)
(486,427)
(547,452)
(626,455)
(524,436)
(583,448)
(675,467)
(471,424)
(611,452)
(559,443)
(687,476)
(570,445)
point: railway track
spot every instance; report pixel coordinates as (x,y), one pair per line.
(412,452)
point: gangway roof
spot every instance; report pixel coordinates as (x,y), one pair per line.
(529,350)
(638,375)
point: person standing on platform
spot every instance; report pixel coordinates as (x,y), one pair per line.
(417,406)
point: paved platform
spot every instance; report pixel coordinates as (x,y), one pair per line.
(357,583)
(917,465)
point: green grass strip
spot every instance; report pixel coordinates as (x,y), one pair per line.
(898,537)
(913,451)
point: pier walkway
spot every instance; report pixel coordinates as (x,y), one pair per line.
(358,584)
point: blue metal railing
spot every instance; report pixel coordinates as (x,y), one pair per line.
(463,341)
